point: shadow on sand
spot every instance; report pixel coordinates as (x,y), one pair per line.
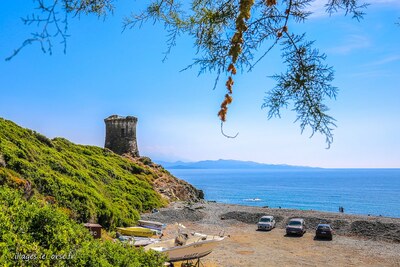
(322,239)
(293,236)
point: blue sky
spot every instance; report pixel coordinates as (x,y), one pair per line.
(107,72)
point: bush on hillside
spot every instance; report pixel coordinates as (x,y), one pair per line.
(34,233)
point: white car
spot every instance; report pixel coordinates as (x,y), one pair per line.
(266,223)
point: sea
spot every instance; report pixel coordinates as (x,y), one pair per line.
(359,191)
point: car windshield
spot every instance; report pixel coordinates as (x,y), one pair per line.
(294,223)
(265,220)
(323,227)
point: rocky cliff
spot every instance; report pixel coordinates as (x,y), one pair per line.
(167,185)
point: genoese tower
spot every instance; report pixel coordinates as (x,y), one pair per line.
(121,135)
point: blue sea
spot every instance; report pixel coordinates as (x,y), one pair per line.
(359,191)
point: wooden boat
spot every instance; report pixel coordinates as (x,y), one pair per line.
(137,231)
(152,225)
(194,247)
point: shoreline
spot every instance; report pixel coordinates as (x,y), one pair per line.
(305,210)
(358,240)
(303,189)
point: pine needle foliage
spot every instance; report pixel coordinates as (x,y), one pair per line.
(229,35)
(306,82)
(226,34)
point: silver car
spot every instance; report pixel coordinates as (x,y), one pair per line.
(266,223)
(296,226)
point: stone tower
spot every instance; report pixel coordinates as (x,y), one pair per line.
(121,135)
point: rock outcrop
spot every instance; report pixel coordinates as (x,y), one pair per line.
(167,185)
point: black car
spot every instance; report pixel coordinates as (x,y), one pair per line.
(324,231)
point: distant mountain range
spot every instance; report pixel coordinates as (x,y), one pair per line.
(225,164)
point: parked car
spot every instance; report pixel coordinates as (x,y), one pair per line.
(296,226)
(266,223)
(324,231)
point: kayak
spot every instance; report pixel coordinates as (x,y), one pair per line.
(137,231)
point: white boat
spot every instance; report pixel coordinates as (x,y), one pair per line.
(191,248)
(152,225)
(252,199)
(137,241)
(144,241)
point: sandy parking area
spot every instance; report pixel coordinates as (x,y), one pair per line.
(245,246)
(248,247)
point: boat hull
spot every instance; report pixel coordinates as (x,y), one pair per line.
(152,225)
(137,231)
(193,249)
(144,241)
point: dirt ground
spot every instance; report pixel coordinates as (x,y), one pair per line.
(245,246)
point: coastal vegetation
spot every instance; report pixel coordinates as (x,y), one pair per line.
(48,188)
(36,233)
(90,183)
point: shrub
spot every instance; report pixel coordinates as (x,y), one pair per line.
(34,233)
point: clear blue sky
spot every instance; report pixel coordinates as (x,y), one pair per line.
(108,72)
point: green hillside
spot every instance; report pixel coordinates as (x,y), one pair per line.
(89,183)
(36,233)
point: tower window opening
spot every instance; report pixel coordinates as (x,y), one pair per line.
(122,132)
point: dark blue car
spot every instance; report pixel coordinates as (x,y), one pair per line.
(324,231)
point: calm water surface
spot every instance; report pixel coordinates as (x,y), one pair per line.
(359,191)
